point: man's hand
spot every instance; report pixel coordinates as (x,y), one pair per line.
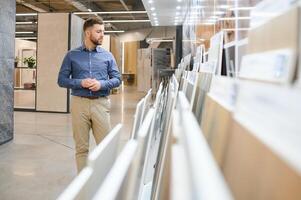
(95,86)
(87,83)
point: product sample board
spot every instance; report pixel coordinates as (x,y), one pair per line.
(150,62)
(144,70)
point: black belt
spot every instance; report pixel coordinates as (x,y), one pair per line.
(91,97)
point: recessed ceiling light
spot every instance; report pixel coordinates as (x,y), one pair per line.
(150,1)
(152,8)
(218,12)
(242,8)
(224,6)
(179,0)
(154,14)
(178,7)
(177,13)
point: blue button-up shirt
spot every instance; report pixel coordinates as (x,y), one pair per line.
(81,63)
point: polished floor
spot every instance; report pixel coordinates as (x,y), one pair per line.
(39,163)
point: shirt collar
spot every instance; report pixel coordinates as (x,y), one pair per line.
(98,48)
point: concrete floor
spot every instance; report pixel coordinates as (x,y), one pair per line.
(39,163)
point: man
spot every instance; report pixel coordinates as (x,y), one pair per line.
(91,72)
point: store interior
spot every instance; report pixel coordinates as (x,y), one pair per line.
(208,105)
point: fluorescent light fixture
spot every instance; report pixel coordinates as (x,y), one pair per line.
(213,17)
(25,32)
(207,23)
(178,7)
(26,14)
(111,12)
(224,6)
(152,8)
(239,29)
(234,18)
(126,21)
(89,10)
(26,22)
(242,8)
(120,31)
(218,12)
(26,38)
(210,20)
(195,41)
(162,40)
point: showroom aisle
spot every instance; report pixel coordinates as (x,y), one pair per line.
(39,163)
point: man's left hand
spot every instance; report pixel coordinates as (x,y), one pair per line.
(95,85)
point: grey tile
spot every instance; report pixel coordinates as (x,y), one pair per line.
(6,71)
(6,132)
(8,19)
(8,5)
(7,46)
(6,102)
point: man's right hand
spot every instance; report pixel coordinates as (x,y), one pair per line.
(86,83)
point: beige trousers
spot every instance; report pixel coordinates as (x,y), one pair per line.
(87,114)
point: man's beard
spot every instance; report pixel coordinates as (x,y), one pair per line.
(95,41)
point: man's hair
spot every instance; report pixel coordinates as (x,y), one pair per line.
(91,21)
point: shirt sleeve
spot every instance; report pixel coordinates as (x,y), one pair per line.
(64,78)
(114,76)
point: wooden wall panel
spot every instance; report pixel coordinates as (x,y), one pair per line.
(130,57)
(52,47)
(115,50)
(205,32)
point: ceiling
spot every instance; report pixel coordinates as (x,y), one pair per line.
(173,12)
(156,12)
(80,6)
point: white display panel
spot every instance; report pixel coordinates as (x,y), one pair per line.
(224,90)
(272,114)
(273,66)
(215,52)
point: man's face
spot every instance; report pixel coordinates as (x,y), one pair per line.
(95,33)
